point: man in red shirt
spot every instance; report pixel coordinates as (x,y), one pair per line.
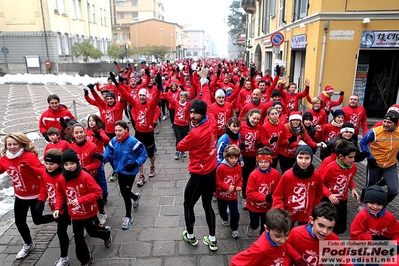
(355,114)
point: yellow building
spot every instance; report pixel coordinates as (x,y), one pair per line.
(352,45)
(36,30)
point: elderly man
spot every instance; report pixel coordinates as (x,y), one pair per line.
(355,114)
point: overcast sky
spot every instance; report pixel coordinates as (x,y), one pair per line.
(208,15)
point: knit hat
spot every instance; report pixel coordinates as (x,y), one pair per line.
(329,89)
(338,112)
(198,107)
(347,127)
(51,158)
(307,115)
(375,194)
(275,93)
(110,94)
(143,92)
(295,115)
(277,103)
(304,148)
(69,155)
(219,93)
(392,116)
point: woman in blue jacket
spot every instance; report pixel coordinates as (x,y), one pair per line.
(127,155)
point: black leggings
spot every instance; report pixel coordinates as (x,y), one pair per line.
(249,166)
(172,115)
(21,207)
(180,132)
(125,187)
(162,104)
(62,225)
(92,228)
(200,186)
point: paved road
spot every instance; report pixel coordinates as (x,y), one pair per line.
(155,237)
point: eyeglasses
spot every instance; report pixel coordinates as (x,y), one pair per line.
(263,162)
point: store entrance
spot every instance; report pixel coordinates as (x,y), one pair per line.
(382,80)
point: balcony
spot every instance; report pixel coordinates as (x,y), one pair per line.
(249,6)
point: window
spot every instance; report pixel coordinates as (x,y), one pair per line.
(72,9)
(77,39)
(272,8)
(59,43)
(95,43)
(94,13)
(281,14)
(101,16)
(88,12)
(135,14)
(121,15)
(55,4)
(115,36)
(266,16)
(66,44)
(79,9)
(105,18)
(119,3)
(300,9)
(62,7)
(134,2)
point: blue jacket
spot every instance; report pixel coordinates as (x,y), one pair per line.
(223,142)
(126,152)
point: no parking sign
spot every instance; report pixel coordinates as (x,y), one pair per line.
(277,38)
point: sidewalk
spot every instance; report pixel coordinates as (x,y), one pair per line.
(155,237)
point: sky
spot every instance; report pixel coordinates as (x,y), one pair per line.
(208,15)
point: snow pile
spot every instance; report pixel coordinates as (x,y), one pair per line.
(49,79)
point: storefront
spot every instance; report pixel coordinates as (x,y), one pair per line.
(377,76)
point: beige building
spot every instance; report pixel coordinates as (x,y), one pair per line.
(352,45)
(44,29)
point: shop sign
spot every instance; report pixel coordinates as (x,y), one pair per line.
(346,35)
(298,41)
(380,39)
(361,81)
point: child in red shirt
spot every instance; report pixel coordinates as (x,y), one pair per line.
(337,177)
(262,182)
(228,182)
(271,247)
(55,141)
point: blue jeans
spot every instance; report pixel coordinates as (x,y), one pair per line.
(234,214)
(101,179)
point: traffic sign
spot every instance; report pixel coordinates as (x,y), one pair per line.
(276,49)
(4,50)
(277,38)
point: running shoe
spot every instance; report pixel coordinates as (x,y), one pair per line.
(213,245)
(127,223)
(25,250)
(193,241)
(152,171)
(141,181)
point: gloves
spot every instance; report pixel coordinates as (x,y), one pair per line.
(191,71)
(273,139)
(322,145)
(269,198)
(86,92)
(39,206)
(376,237)
(278,70)
(115,63)
(341,93)
(242,80)
(97,135)
(62,122)
(46,136)
(252,72)
(147,72)
(90,86)
(218,73)
(292,139)
(159,80)
(129,167)
(372,162)
(301,142)
(112,76)
(362,155)
(128,64)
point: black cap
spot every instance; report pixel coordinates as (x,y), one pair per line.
(69,155)
(392,116)
(199,107)
(375,194)
(307,115)
(110,94)
(304,148)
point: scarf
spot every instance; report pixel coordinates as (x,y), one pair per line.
(297,130)
(69,175)
(55,172)
(13,156)
(302,174)
(274,123)
(124,137)
(81,143)
(335,124)
(316,110)
(231,134)
(249,123)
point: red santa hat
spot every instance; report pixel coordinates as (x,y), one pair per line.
(394,107)
(295,115)
(329,89)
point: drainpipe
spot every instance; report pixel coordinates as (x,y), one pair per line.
(44,29)
(323,51)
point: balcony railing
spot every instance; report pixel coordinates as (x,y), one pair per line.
(249,6)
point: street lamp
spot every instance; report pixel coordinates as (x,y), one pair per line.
(171,50)
(137,37)
(161,30)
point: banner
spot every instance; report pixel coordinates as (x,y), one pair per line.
(380,39)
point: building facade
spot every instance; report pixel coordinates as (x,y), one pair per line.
(196,42)
(352,45)
(47,29)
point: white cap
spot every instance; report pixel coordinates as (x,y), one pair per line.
(295,116)
(219,93)
(143,92)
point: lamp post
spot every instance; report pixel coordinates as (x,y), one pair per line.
(171,42)
(161,30)
(137,37)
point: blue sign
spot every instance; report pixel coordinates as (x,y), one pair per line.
(277,38)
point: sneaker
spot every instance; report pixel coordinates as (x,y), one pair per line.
(62,262)
(136,203)
(127,223)
(25,250)
(225,223)
(244,204)
(193,241)
(107,243)
(102,217)
(213,245)
(177,155)
(141,181)
(152,171)
(164,118)
(114,177)
(235,234)
(250,231)
(91,261)
(183,154)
